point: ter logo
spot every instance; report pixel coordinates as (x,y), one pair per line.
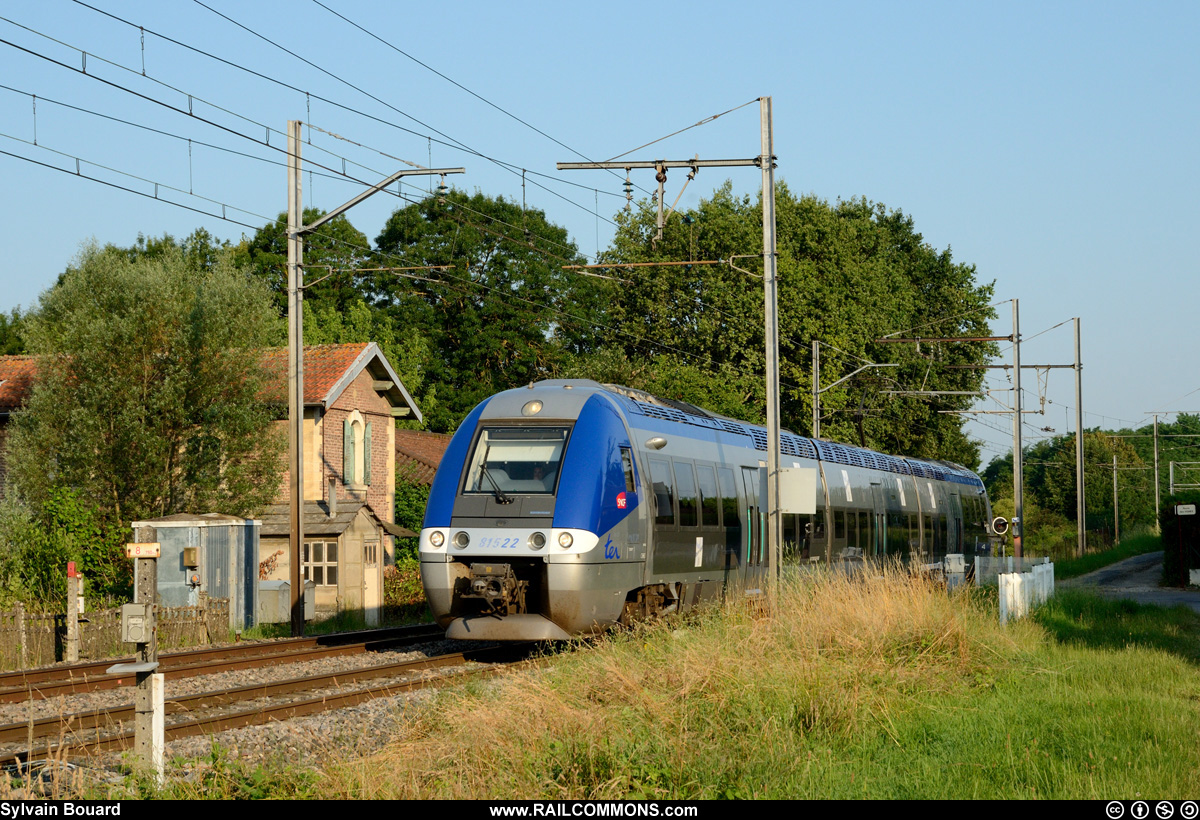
(610,551)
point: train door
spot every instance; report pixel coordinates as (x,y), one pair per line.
(731,520)
(879,507)
(956,510)
(752,485)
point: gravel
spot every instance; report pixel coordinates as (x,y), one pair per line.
(307,742)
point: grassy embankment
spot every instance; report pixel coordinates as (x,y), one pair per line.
(1135,545)
(883,688)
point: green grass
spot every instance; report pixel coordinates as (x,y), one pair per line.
(1136,545)
(883,688)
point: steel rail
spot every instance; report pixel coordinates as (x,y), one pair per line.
(53,681)
(59,726)
(284,711)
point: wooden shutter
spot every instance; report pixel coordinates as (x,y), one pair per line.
(347,452)
(367,454)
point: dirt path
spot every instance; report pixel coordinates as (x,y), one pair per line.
(1136,578)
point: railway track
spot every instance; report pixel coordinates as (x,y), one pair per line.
(54,681)
(105,730)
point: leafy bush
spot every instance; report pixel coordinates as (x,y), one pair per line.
(34,551)
(402,583)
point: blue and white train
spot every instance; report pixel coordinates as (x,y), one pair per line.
(566,507)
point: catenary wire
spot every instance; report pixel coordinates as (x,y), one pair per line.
(512,167)
(457,143)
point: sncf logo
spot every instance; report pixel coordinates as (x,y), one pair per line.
(620,501)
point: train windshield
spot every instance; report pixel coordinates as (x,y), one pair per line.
(520,460)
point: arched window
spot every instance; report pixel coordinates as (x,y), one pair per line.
(356,451)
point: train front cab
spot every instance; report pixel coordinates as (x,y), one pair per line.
(536,543)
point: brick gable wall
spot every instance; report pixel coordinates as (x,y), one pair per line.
(360,395)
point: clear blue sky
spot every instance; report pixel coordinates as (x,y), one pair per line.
(1052,145)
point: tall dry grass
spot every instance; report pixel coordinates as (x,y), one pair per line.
(702,708)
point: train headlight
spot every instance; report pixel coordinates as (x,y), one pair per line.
(537,541)
(565,540)
(461,539)
(436,539)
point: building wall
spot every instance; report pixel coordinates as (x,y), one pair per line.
(313,433)
(323,440)
(359,584)
(381,493)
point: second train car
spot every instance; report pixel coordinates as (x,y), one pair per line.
(568,506)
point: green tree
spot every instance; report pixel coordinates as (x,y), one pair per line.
(11,341)
(148,396)
(324,324)
(849,273)
(498,318)
(1049,483)
(331,255)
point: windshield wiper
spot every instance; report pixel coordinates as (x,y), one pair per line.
(501,498)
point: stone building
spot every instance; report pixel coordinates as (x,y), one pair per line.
(352,397)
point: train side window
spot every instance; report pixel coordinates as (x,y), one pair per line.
(729,505)
(709,512)
(897,534)
(839,524)
(685,479)
(627,467)
(851,529)
(804,533)
(664,491)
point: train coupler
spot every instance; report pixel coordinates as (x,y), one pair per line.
(498,587)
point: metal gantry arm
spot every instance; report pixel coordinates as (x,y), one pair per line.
(766,162)
(817,390)
(374,189)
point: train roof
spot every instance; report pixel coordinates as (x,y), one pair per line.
(639,402)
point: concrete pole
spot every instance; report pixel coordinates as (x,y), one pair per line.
(1018,455)
(1156,493)
(1116,515)
(295,375)
(1080,497)
(148,721)
(771,306)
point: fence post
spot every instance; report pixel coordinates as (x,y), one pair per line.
(202,603)
(72,613)
(21,635)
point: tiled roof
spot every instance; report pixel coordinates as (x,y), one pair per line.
(276,520)
(418,454)
(16,377)
(324,366)
(329,369)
